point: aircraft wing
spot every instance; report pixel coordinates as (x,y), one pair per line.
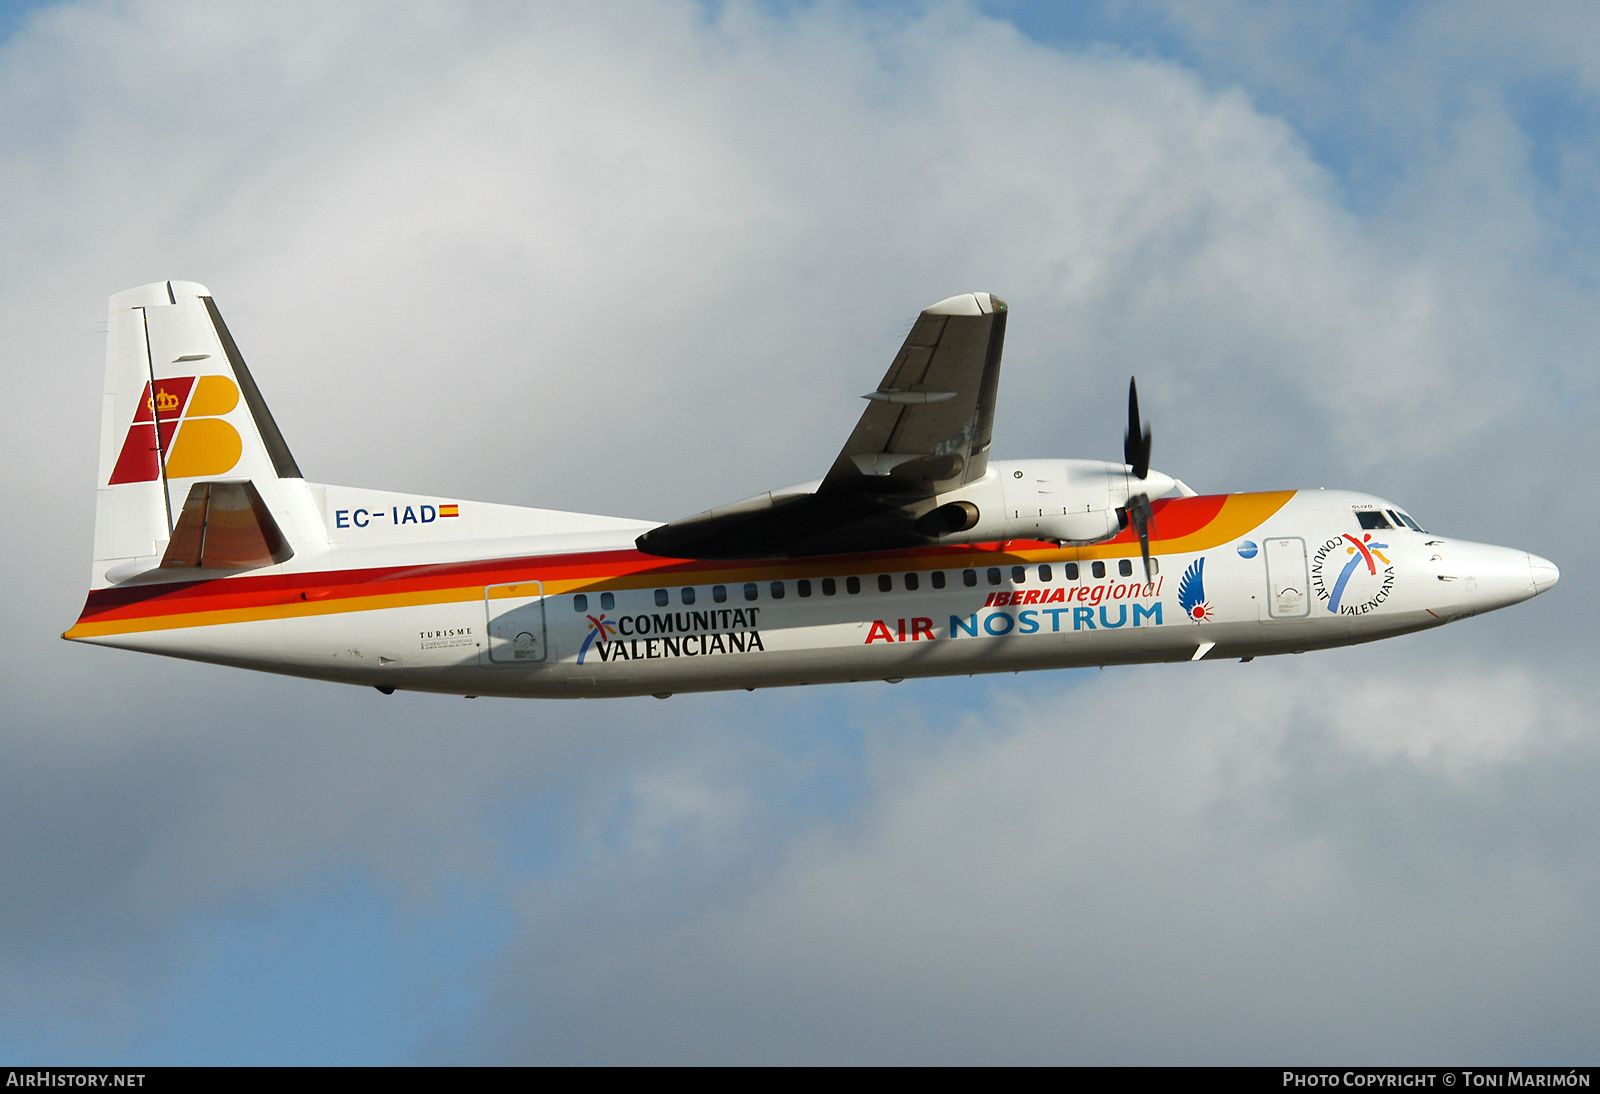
(926,428)
(925,431)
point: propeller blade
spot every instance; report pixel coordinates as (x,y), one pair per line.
(1136,442)
(1139,512)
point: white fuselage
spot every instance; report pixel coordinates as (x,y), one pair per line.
(500,601)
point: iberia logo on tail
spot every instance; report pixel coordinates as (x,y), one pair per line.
(187,411)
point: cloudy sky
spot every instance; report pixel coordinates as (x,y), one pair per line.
(641,259)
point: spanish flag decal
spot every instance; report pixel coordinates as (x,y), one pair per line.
(449,510)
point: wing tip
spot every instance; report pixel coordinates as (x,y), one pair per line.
(967,303)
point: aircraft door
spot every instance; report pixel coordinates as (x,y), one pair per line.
(516,623)
(1288,579)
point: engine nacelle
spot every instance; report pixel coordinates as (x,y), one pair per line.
(1091,526)
(1065,501)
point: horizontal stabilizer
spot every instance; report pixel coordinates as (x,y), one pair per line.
(225,526)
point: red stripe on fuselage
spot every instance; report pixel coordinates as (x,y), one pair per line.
(1173,518)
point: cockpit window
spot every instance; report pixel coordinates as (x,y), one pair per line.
(1372,519)
(1411,524)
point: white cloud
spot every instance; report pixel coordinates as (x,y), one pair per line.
(1245,863)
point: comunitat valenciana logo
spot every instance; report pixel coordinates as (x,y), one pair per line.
(1352,576)
(601,628)
(187,411)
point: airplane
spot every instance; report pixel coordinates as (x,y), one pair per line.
(915,555)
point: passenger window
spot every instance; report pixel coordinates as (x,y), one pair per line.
(852,585)
(580,603)
(607,602)
(1070,571)
(803,586)
(686,594)
(777,590)
(1019,574)
(1098,569)
(993,575)
(937,577)
(885,583)
(1155,565)
(911,583)
(829,586)
(1371,519)
(662,599)
(719,593)
(1044,572)
(751,591)
(1125,567)
(969,578)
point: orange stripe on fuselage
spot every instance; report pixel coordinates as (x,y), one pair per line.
(1178,526)
(1189,525)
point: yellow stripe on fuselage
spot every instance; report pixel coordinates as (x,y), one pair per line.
(1239,515)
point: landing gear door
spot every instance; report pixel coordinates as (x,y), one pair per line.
(516,623)
(1288,579)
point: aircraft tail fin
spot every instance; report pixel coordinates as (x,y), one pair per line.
(180,411)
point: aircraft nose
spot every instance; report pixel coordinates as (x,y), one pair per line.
(1544,572)
(1478,577)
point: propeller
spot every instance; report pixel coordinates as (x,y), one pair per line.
(1136,454)
(1136,444)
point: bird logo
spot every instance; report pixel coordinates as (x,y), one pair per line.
(1192,592)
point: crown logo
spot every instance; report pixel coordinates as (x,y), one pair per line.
(203,444)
